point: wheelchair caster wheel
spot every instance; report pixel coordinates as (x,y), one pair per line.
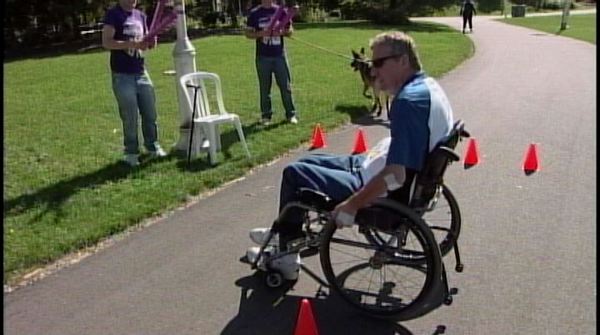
(453,291)
(274,279)
(448,300)
(459,268)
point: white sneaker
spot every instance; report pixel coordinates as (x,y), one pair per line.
(288,265)
(265,121)
(158,153)
(293,120)
(260,235)
(131,159)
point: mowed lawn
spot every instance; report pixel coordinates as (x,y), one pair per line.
(65,187)
(580,26)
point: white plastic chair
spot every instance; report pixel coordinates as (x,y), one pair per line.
(208,122)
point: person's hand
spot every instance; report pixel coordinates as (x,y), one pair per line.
(141,45)
(153,42)
(344,214)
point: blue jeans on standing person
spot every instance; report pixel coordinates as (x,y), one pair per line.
(337,176)
(135,94)
(266,67)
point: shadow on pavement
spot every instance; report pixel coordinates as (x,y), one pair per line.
(268,311)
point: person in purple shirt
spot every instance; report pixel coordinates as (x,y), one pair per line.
(123,32)
(271,60)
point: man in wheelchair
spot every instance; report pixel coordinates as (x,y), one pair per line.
(420,117)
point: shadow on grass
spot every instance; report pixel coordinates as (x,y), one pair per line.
(274,311)
(201,161)
(412,27)
(360,115)
(92,46)
(53,197)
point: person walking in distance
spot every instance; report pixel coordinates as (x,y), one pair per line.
(123,34)
(467,11)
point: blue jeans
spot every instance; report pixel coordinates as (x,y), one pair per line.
(338,176)
(266,67)
(135,92)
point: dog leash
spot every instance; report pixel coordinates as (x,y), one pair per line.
(320,48)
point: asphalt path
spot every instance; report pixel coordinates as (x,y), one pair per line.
(528,242)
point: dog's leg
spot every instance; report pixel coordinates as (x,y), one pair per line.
(365,90)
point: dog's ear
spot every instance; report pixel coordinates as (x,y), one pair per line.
(362,51)
(354,53)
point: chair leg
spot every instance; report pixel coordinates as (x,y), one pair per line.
(212,149)
(238,127)
(218,137)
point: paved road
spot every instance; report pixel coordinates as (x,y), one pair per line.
(528,242)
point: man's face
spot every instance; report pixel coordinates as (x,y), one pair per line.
(128,4)
(390,70)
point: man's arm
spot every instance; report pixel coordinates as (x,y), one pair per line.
(390,178)
(109,42)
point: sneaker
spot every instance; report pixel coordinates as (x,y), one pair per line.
(265,121)
(260,235)
(158,153)
(293,120)
(131,159)
(288,265)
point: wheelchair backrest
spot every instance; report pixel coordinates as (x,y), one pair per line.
(432,175)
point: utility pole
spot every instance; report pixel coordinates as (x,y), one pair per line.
(184,56)
(565,15)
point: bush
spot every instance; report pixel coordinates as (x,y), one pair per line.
(353,10)
(210,19)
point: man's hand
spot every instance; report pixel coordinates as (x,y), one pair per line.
(344,214)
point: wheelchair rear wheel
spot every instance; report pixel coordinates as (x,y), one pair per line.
(444,220)
(379,279)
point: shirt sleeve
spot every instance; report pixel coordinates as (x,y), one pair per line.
(252,22)
(110,18)
(410,134)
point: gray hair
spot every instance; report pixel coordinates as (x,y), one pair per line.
(400,44)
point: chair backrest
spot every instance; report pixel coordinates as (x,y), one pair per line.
(198,81)
(431,176)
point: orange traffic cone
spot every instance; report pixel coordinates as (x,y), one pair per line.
(530,163)
(472,154)
(318,138)
(360,143)
(306,325)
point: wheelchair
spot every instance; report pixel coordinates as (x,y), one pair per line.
(389,264)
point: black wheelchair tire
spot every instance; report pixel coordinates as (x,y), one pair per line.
(432,261)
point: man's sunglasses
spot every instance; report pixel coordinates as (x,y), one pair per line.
(377,63)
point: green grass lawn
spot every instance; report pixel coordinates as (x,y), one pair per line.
(65,187)
(580,26)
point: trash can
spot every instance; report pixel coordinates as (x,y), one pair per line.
(518,10)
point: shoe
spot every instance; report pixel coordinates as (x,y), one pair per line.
(131,159)
(260,235)
(158,153)
(288,265)
(293,120)
(265,121)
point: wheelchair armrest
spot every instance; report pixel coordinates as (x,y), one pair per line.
(316,199)
(449,153)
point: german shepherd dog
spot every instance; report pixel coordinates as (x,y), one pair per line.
(362,65)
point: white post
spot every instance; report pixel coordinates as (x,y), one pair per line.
(565,15)
(185,62)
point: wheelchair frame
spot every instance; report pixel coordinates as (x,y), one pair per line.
(434,291)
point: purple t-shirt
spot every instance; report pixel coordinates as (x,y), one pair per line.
(259,19)
(128,26)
